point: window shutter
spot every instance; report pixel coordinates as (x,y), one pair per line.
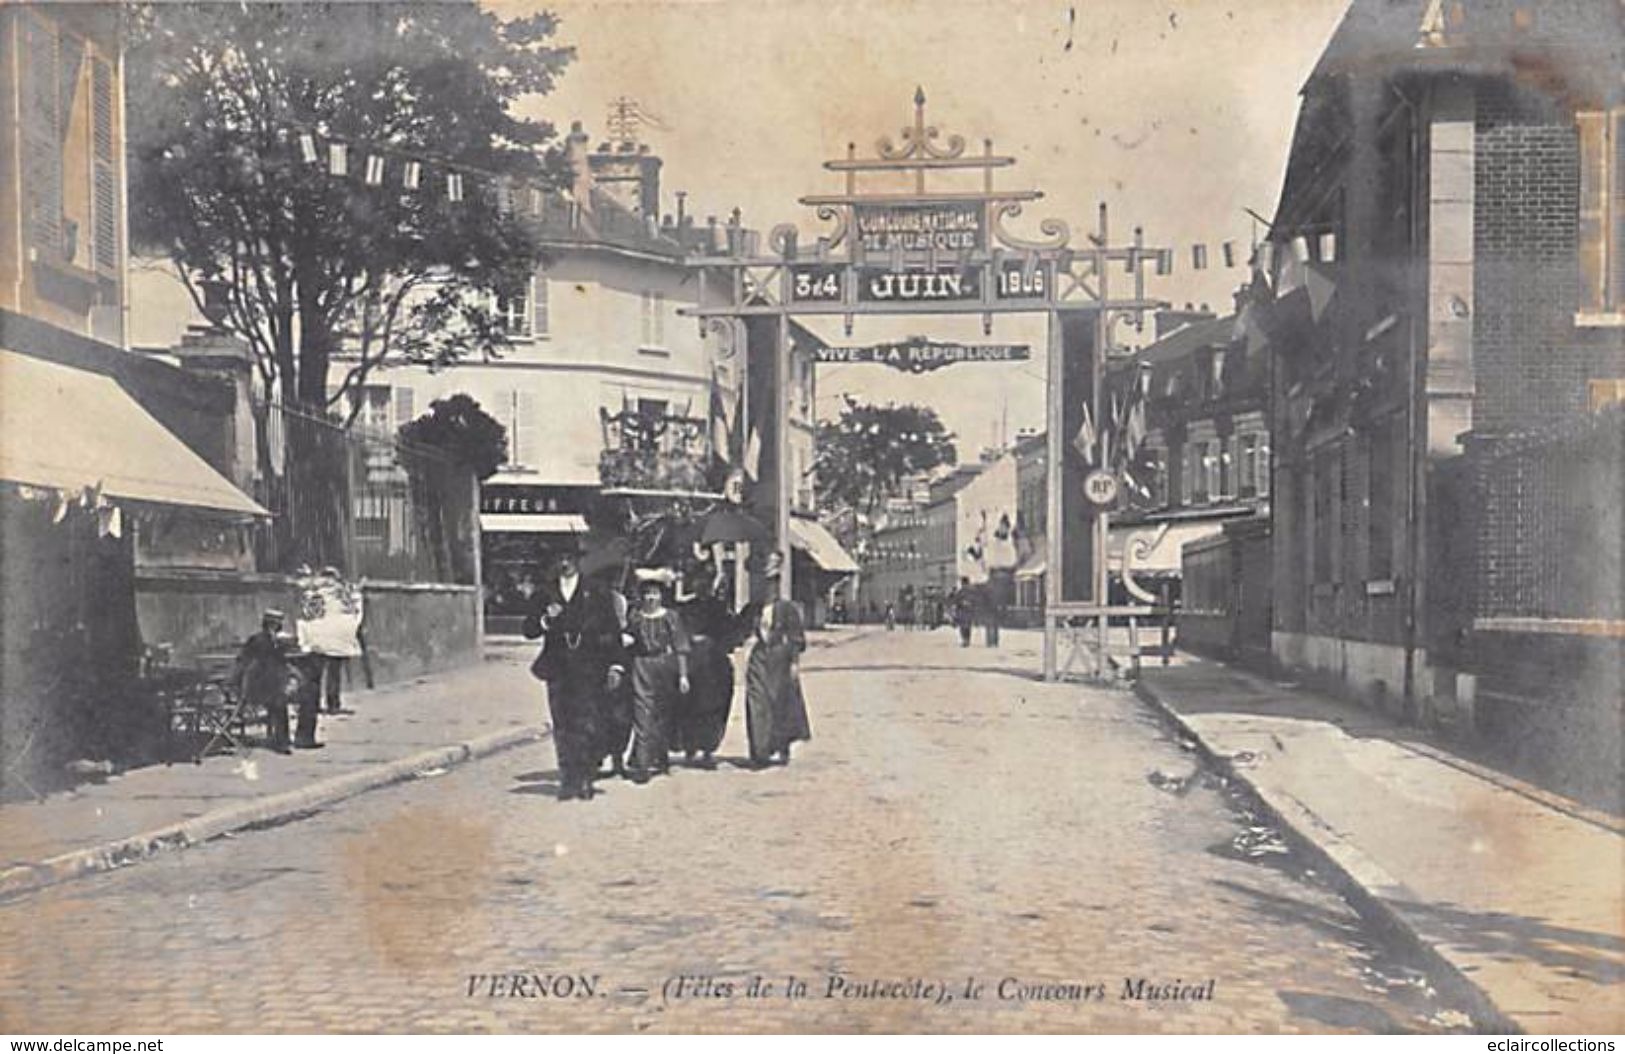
(524,429)
(1593,210)
(1616,218)
(105,205)
(538,305)
(42,149)
(404,406)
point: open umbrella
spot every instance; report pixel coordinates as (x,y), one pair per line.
(729,524)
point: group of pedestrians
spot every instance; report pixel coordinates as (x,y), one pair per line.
(631,681)
(961,607)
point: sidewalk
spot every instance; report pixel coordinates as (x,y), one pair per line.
(396,731)
(1515,892)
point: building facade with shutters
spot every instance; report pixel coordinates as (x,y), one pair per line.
(62,238)
(597,347)
(1445,332)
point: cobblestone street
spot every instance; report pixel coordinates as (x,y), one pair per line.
(952,819)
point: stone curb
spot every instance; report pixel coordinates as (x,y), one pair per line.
(1371,890)
(271,809)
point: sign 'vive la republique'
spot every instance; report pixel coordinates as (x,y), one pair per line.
(919,356)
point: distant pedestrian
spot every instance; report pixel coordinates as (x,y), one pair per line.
(775,710)
(891,616)
(660,653)
(963,606)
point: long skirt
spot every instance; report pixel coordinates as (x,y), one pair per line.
(775,712)
(615,727)
(654,687)
(702,715)
(573,700)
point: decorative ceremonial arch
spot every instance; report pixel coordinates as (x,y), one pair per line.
(943,246)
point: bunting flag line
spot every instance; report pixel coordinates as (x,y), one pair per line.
(381,164)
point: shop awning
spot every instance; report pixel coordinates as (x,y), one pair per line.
(69,429)
(812,539)
(1164,557)
(533,522)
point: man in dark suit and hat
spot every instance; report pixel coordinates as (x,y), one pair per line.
(581,661)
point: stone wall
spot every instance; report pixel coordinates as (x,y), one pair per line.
(411,629)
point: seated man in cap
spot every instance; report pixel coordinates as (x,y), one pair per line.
(263,673)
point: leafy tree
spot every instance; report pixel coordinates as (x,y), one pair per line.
(462,430)
(299,261)
(869,450)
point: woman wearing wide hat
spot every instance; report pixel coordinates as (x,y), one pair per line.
(660,649)
(775,712)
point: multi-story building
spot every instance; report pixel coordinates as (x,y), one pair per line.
(1205,462)
(599,359)
(606,385)
(101,451)
(916,543)
(1447,354)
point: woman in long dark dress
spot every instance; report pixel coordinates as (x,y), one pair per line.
(660,649)
(616,723)
(775,712)
(702,715)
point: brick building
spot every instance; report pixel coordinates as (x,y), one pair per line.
(1444,323)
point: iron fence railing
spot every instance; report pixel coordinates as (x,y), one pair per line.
(362,502)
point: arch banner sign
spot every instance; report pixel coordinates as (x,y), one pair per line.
(921,356)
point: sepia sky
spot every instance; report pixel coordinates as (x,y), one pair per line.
(1176,114)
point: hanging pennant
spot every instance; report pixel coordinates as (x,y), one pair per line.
(109,522)
(410,176)
(375,170)
(338,159)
